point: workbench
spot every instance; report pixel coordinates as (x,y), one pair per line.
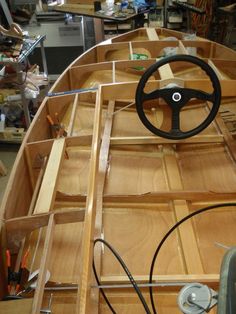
(88,10)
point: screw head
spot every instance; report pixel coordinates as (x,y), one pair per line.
(176,97)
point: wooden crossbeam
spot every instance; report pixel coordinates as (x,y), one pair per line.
(18,228)
(204,278)
(159,140)
(152,198)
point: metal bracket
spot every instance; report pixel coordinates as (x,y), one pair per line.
(196,298)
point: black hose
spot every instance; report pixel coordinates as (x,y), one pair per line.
(128,273)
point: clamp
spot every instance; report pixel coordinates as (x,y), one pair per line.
(14,278)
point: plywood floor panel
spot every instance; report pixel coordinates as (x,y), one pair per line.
(192,118)
(73,177)
(127,123)
(95,78)
(212,227)
(84,119)
(135,175)
(64,265)
(207,168)
(66,253)
(135,234)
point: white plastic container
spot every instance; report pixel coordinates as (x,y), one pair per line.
(110,4)
(2,122)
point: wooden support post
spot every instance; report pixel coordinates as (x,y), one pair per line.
(152,34)
(113,71)
(165,71)
(73,114)
(131,51)
(47,192)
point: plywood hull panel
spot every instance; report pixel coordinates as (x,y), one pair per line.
(88,168)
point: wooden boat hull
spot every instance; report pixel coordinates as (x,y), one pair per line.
(112,178)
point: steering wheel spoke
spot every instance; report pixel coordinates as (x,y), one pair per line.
(175,127)
(177,97)
(152,95)
(198,94)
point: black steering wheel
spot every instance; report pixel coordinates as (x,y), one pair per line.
(177,97)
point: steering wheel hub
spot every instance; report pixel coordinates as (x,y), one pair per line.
(176,97)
